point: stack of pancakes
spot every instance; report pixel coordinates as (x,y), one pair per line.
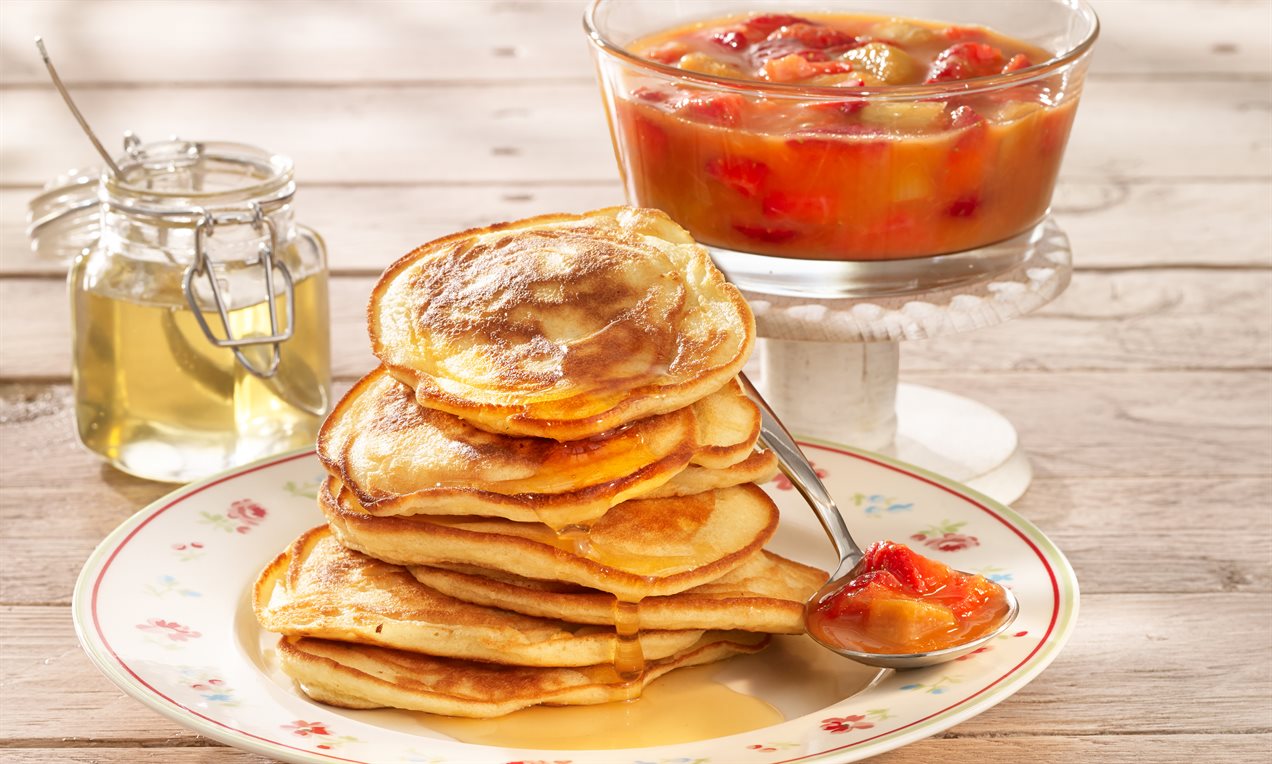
(547,492)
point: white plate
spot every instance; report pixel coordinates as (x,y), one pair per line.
(162,609)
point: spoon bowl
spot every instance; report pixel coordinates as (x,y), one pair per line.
(795,465)
(912,660)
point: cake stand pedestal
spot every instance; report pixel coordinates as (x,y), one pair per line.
(829,367)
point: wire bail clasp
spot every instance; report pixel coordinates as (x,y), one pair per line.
(201,266)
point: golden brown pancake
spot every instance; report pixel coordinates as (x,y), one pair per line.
(400,458)
(561,326)
(642,547)
(317,588)
(728,427)
(759,467)
(359,676)
(766,593)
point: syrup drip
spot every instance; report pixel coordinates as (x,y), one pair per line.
(629,656)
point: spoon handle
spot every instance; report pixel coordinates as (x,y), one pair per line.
(799,470)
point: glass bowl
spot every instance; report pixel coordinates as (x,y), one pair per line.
(915,187)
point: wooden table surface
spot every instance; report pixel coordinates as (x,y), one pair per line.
(1144,394)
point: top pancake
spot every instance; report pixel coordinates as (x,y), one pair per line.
(400,458)
(561,326)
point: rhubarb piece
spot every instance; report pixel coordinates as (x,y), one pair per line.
(907,622)
(888,63)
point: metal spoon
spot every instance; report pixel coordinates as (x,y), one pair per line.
(802,475)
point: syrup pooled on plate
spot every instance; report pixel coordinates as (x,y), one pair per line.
(681,707)
(901,602)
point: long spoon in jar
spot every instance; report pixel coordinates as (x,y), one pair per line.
(70,104)
(795,465)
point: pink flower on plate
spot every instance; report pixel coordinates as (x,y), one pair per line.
(170,629)
(246,514)
(840,724)
(783,483)
(305,729)
(946,537)
(952,542)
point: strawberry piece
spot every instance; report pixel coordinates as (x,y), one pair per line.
(723,109)
(765,24)
(742,174)
(765,233)
(813,36)
(651,95)
(962,33)
(767,50)
(963,207)
(730,38)
(1017,62)
(651,138)
(977,592)
(918,573)
(667,53)
(964,61)
(847,108)
(882,583)
(797,66)
(805,208)
(965,116)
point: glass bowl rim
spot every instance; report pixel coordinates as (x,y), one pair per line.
(887,92)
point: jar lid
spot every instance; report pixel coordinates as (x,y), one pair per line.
(64,219)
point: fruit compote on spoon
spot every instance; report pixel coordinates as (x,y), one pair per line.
(888,606)
(899,601)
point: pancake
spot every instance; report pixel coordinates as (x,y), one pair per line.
(728,427)
(641,547)
(766,593)
(400,458)
(561,326)
(359,676)
(759,467)
(317,588)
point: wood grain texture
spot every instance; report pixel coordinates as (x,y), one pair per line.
(539,131)
(1110,224)
(497,40)
(1137,320)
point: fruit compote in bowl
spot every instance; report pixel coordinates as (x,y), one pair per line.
(859,148)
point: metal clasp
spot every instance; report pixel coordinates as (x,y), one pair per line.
(201,266)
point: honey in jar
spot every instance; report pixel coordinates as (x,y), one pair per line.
(199,315)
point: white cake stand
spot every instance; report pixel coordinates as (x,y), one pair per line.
(829,367)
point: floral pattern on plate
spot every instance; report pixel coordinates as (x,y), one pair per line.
(202,660)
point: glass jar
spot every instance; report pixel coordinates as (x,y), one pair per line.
(848,189)
(199,313)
